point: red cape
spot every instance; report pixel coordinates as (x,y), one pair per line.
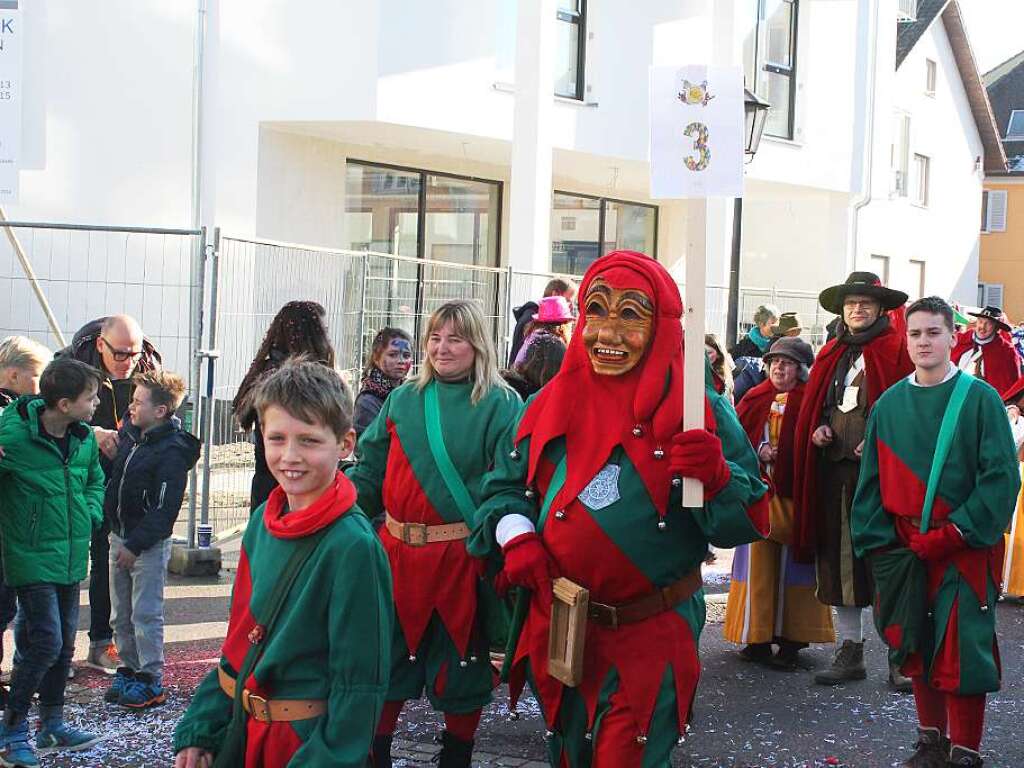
(753,412)
(887,362)
(999,358)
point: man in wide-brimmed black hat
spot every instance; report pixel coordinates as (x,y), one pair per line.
(987,351)
(850,373)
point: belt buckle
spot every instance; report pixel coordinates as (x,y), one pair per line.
(257,706)
(415,534)
(597,609)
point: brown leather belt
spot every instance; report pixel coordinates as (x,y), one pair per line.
(420,534)
(652,604)
(272,710)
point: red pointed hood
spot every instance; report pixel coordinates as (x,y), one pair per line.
(596,413)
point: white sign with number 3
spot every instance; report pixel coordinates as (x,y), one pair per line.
(696,131)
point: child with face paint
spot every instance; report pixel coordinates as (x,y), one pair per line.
(390,362)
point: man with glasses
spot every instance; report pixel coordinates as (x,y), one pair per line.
(867,356)
(115,346)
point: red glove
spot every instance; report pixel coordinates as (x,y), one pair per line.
(938,544)
(697,453)
(528,564)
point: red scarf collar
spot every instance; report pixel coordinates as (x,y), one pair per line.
(998,355)
(641,410)
(753,412)
(338,499)
(887,362)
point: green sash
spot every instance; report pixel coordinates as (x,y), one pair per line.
(946,431)
(435,439)
(900,577)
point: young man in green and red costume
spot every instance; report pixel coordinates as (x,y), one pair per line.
(958,662)
(849,374)
(986,351)
(311,605)
(441,638)
(603,445)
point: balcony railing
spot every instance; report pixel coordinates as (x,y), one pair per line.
(906,10)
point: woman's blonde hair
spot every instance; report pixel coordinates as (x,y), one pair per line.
(469,323)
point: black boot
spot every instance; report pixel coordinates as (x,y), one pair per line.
(930,750)
(455,753)
(380,755)
(962,757)
(758,653)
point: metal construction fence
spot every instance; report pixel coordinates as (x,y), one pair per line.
(57,277)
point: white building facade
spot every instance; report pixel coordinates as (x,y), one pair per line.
(392,125)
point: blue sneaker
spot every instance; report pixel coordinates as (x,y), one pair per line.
(15,749)
(121,679)
(141,692)
(56,735)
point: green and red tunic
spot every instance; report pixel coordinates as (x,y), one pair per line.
(608,539)
(976,493)
(331,640)
(436,586)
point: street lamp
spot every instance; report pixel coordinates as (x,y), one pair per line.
(755,112)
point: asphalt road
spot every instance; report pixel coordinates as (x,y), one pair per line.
(745,715)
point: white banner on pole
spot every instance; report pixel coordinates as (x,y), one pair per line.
(696,131)
(11,37)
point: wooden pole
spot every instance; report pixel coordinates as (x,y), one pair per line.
(30,273)
(693,340)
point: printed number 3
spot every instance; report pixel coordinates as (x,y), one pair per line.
(699,133)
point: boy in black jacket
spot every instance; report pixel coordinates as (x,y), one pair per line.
(143,497)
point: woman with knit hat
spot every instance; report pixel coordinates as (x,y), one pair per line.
(590,491)
(771,596)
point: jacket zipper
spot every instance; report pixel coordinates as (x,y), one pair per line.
(67,493)
(120,488)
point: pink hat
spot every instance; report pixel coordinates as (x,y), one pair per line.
(554,309)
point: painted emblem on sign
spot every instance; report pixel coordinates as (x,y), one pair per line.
(696,94)
(603,490)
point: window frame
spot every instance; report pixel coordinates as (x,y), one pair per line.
(1009,124)
(919,199)
(931,77)
(789,72)
(421,213)
(987,209)
(886,266)
(923,265)
(579,19)
(602,205)
(900,162)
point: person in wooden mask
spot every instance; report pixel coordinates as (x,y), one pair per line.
(590,491)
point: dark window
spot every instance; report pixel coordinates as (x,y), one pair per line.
(570,53)
(770,62)
(1015,126)
(435,216)
(584,228)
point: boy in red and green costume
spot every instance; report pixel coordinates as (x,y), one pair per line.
(957,661)
(602,446)
(442,638)
(316,688)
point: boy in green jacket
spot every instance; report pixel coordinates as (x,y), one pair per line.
(51,499)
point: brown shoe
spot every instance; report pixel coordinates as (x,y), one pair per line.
(930,750)
(848,664)
(962,757)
